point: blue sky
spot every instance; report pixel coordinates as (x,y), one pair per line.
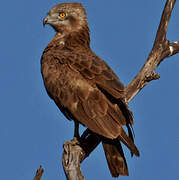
(32,130)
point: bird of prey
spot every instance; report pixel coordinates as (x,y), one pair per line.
(84,87)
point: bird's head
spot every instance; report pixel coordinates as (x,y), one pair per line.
(66,18)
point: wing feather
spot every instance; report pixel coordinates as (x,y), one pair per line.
(85,86)
(92,67)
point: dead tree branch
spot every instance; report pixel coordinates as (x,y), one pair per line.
(162,49)
(39,173)
(71,161)
(74,154)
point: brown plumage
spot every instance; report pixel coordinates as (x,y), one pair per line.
(84,87)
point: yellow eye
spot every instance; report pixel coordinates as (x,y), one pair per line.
(62,14)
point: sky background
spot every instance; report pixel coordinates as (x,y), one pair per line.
(32,130)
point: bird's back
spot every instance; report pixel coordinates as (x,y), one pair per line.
(83,83)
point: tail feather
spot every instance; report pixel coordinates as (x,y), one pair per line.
(113,150)
(126,111)
(129,122)
(128,142)
(130,133)
(115,158)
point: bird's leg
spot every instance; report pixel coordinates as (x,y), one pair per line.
(76,137)
(76,131)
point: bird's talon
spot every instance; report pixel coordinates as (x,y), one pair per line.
(75,141)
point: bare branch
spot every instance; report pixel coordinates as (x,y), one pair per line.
(75,152)
(174,48)
(162,29)
(162,49)
(39,173)
(71,161)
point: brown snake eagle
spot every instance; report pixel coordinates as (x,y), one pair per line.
(84,87)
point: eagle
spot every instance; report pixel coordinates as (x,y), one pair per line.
(84,87)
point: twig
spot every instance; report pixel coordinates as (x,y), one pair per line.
(39,173)
(162,48)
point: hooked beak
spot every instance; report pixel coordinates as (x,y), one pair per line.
(50,19)
(45,21)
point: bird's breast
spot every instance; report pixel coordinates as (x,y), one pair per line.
(54,75)
(60,82)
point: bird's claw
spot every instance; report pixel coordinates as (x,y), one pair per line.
(75,141)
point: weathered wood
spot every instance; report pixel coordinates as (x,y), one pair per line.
(74,154)
(71,160)
(39,173)
(162,49)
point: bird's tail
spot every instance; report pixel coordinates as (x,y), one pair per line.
(115,157)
